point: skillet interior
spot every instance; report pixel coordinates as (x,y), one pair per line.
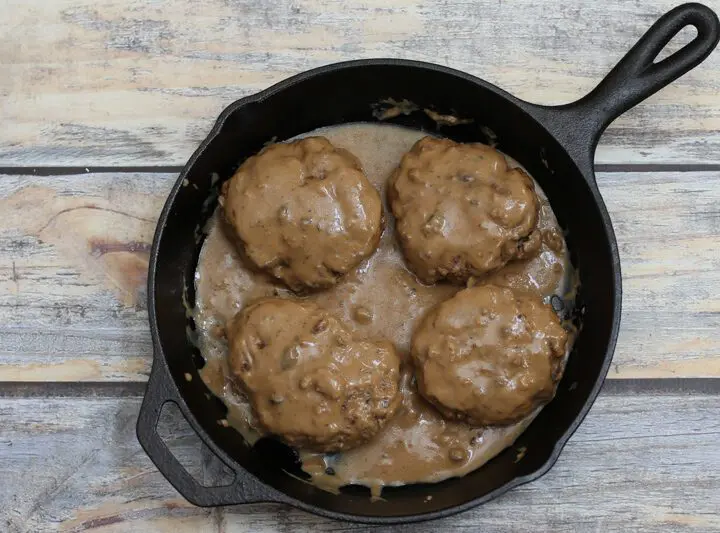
(349,93)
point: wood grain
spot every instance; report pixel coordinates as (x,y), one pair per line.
(73,273)
(140,82)
(74,251)
(667,227)
(645,462)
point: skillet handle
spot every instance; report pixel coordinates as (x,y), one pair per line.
(636,77)
(244,488)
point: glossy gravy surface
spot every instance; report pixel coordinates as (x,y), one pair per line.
(381,299)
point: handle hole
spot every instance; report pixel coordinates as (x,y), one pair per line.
(190,451)
(681,39)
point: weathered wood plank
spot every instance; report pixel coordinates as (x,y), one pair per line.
(668,231)
(73,274)
(645,462)
(74,250)
(139,83)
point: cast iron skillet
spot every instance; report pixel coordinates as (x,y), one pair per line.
(555,144)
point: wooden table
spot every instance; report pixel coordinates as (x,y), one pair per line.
(103,102)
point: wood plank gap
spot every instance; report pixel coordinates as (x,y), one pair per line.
(657,167)
(655,386)
(125,389)
(70,171)
(71,389)
(171,169)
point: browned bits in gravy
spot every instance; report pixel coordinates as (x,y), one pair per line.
(362,315)
(304,212)
(415,446)
(416,443)
(489,355)
(461,211)
(303,385)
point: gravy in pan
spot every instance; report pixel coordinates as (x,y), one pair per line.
(382,299)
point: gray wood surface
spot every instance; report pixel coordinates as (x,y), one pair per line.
(74,251)
(642,461)
(140,82)
(134,85)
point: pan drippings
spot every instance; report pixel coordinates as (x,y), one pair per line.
(381,299)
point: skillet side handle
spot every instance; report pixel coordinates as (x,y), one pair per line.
(244,488)
(635,78)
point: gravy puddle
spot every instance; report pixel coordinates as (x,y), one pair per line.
(381,299)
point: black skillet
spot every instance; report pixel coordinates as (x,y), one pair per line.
(556,145)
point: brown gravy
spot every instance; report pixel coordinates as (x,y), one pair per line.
(383,300)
